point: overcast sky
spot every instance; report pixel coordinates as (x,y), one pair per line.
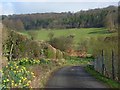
(8,7)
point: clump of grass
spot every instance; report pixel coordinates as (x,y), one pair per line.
(109,82)
(78,61)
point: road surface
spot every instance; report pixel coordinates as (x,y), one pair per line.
(73,77)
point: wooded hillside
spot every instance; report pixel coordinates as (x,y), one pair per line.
(104,17)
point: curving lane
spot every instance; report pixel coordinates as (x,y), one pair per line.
(73,77)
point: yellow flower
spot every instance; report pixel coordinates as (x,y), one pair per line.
(24,79)
(19,80)
(14,71)
(27,84)
(12,84)
(6,66)
(1,71)
(24,68)
(7,80)
(17,67)
(21,77)
(4,80)
(32,73)
(15,85)
(17,71)
(19,83)
(29,81)
(21,70)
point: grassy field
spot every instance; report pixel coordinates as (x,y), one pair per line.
(89,35)
(80,34)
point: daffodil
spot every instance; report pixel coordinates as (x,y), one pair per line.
(1,71)
(15,85)
(6,66)
(25,78)
(17,67)
(19,83)
(11,69)
(12,84)
(20,72)
(4,80)
(21,77)
(19,80)
(29,81)
(14,71)
(32,73)
(24,68)
(27,84)
(7,80)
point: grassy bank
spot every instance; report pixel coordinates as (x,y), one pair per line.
(109,82)
(78,61)
(28,73)
(42,73)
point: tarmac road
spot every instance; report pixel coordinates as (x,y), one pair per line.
(73,77)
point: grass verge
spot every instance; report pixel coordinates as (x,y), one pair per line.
(109,82)
(42,73)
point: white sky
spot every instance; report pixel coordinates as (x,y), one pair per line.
(59,1)
(8,7)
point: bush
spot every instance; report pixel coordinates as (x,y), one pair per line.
(22,46)
(62,43)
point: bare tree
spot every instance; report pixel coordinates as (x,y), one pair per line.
(111,21)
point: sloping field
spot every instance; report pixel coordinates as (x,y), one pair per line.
(79,34)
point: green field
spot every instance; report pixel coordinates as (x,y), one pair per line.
(80,34)
(89,35)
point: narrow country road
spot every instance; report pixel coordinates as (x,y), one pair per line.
(73,77)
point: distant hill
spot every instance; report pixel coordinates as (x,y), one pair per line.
(96,18)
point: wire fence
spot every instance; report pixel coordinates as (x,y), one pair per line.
(107,65)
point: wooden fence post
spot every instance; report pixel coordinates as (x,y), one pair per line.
(113,69)
(119,42)
(10,55)
(102,62)
(95,64)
